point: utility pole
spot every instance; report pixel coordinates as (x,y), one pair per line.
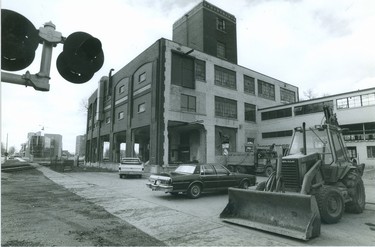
(6,149)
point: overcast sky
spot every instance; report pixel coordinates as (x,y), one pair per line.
(322,45)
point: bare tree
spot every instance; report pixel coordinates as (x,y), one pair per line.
(309,94)
(84,106)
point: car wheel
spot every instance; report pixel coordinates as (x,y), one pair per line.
(245,184)
(194,191)
(120,175)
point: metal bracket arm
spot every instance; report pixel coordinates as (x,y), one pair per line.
(39,83)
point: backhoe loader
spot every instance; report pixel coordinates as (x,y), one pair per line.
(314,182)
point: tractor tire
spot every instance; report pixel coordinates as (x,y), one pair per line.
(195,191)
(268,171)
(261,186)
(245,184)
(356,190)
(331,204)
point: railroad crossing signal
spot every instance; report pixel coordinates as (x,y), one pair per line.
(82,54)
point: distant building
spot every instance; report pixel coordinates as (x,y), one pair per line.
(80,145)
(42,146)
(53,145)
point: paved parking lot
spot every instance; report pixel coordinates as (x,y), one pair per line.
(182,221)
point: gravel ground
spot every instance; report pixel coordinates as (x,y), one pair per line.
(37,212)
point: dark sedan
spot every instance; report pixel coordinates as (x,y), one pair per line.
(193,179)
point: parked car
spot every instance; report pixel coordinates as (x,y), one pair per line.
(131,166)
(193,179)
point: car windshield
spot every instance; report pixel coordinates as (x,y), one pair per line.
(185,169)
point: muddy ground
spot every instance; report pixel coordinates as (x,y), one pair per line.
(37,212)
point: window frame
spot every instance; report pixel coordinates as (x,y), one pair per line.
(254,115)
(121,115)
(250,88)
(142,77)
(225,110)
(266,90)
(189,98)
(221,50)
(220,24)
(287,95)
(200,70)
(140,108)
(370,150)
(225,77)
(121,89)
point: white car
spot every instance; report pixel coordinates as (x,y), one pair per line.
(131,166)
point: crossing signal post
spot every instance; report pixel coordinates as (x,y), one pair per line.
(81,57)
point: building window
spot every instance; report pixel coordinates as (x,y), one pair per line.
(282,113)
(220,24)
(108,120)
(368,99)
(248,84)
(370,151)
(250,113)
(142,77)
(275,134)
(266,90)
(188,103)
(121,89)
(354,101)
(342,103)
(287,96)
(353,132)
(369,131)
(142,107)
(120,115)
(311,108)
(183,70)
(225,108)
(220,50)
(200,70)
(352,151)
(225,77)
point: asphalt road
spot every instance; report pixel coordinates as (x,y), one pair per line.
(182,221)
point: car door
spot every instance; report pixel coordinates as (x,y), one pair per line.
(208,177)
(224,178)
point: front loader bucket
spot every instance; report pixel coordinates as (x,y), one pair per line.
(289,214)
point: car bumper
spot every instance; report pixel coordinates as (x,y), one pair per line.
(160,187)
(130,172)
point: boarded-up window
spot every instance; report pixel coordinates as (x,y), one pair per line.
(183,70)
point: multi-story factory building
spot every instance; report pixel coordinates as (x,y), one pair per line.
(179,100)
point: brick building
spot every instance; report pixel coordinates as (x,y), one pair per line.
(178,100)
